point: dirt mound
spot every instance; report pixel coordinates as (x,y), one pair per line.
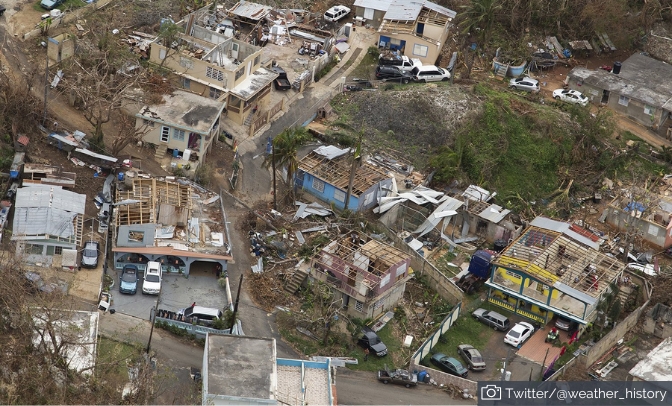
(428,114)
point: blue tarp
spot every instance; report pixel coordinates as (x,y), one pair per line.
(635,206)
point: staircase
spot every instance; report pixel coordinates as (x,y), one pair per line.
(501,71)
(249,118)
(624,292)
(159,153)
(297,279)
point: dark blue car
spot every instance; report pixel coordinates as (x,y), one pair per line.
(128,282)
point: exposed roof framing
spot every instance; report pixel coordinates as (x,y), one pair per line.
(428,16)
(336,172)
(152,193)
(552,257)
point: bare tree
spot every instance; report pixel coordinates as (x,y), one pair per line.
(127,133)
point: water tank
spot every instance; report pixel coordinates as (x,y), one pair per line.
(186,154)
(176,153)
(616,69)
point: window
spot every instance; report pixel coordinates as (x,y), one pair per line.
(648,110)
(162,54)
(623,101)
(368,13)
(165,134)
(213,73)
(33,249)
(186,62)
(58,250)
(420,50)
(178,134)
(215,93)
(359,306)
(256,60)
(148,123)
(318,185)
(186,83)
(339,195)
(239,73)
(514,275)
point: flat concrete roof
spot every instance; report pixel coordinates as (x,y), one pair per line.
(253,83)
(657,366)
(185,110)
(241,366)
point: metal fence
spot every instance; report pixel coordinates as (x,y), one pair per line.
(198,331)
(432,340)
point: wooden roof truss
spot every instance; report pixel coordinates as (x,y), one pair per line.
(336,172)
(152,193)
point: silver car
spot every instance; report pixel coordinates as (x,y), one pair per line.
(527,84)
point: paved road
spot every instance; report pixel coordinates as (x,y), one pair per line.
(361,388)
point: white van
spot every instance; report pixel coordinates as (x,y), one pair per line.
(152,283)
(430,73)
(201,315)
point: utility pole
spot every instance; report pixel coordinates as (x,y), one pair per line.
(508,353)
(152,316)
(235,306)
(275,191)
(46,83)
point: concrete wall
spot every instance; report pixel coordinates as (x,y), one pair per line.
(433,50)
(618,332)
(437,280)
(651,232)
(377,17)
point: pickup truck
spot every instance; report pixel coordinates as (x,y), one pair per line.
(400,61)
(281,82)
(399,377)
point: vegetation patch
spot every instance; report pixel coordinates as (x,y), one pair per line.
(466,330)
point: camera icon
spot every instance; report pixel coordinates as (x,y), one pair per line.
(491,392)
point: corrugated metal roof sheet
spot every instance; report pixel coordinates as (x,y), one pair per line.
(494,213)
(253,11)
(562,227)
(575,293)
(477,193)
(403,10)
(46,210)
(381,5)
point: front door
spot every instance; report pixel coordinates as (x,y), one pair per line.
(605,97)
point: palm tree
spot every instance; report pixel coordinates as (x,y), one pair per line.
(285,146)
(477,19)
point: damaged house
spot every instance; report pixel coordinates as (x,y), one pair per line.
(367,275)
(325,174)
(168,223)
(553,268)
(645,213)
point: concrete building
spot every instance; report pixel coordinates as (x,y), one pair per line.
(245,370)
(325,174)
(367,275)
(657,366)
(48,222)
(641,90)
(553,268)
(658,321)
(417,28)
(184,126)
(209,62)
(169,225)
(371,11)
(642,211)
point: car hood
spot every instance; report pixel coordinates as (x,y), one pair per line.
(89,260)
(128,285)
(380,347)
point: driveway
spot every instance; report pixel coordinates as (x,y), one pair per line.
(177,292)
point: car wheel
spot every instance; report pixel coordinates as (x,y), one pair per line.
(468,366)
(405,81)
(424,80)
(385,382)
(556,97)
(408,385)
(512,87)
(444,79)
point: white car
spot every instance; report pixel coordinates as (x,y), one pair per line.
(336,13)
(152,283)
(518,334)
(570,96)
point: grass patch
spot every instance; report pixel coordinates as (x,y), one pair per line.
(113,354)
(366,66)
(466,330)
(374,362)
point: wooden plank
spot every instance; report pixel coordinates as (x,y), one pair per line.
(605,46)
(556,44)
(608,41)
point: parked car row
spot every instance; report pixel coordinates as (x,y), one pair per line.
(130,278)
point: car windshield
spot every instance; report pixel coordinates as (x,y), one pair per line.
(90,253)
(441,71)
(151,278)
(514,334)
(129,277)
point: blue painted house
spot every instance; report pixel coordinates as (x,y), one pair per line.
(325,173)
